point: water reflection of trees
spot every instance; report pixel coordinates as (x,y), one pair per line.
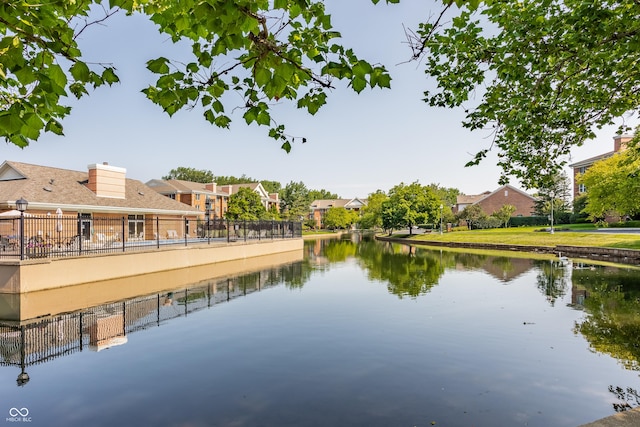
(613,306)
(552,279)
(629,398)
(407,270)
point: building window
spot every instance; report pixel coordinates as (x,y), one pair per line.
(136,226)
(583,169)
(197,196)
(506,193)
(582,188)
(171,196)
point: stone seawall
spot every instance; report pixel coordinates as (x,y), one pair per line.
(622,256)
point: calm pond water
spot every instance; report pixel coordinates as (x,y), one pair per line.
(360,333)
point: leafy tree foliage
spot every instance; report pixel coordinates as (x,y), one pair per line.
(40,63)
(271,186)
(245,204)
(295,200)
(472,215)
(339,218)
(190,174)
(372,213)
(579,215)
(449,196)
(504,214)
(322,195)
(409,205)
(549,74)
(555,192)
(262,50)
(613,186)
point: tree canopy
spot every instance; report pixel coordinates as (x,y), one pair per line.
(263,51)
(245,204)
(190,174)
(548,74)
(339,218)
(613,186)
(409,205)
(295,200)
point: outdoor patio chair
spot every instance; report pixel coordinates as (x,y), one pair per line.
(104,241)
(4,243)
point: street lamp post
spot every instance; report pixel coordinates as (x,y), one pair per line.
(21,205)
(551,232)
(441,218)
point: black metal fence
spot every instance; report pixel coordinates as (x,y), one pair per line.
(28,237)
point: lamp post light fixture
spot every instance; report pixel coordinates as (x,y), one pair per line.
(441,218)
(21,205)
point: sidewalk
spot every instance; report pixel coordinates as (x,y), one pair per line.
(622,419)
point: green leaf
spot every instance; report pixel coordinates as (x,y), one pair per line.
(158,66)
(262,76)
(54,126)
(110,76)
(80,71)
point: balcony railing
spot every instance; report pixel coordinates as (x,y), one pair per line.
(30,237)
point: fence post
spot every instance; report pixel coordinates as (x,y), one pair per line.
(21,235)
(185,230)
(79,233)
(244,229)
(122,234)
(157,232)
(228,231)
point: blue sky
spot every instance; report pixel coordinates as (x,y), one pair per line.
(356,143)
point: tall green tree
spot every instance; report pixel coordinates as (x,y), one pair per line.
(549,73)
(409,205)
(190,174)
(271,186)
(245,204)
(322,195)
(449,196)
(472,215)
(263,51)
(295,201)
(339,218)
(504,214)
(613,186)
(372,213)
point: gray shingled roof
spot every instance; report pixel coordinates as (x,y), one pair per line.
(46,187)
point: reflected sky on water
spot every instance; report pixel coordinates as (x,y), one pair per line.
(359,333)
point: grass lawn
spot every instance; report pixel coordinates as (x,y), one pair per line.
(529,236)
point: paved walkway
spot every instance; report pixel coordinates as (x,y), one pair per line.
(622,419)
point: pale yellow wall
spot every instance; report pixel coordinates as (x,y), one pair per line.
(50,273)
(67,299)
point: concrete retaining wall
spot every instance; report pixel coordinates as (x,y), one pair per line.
(50,273)
(622,256)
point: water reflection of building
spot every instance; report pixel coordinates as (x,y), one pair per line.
(23,344)
(578,295)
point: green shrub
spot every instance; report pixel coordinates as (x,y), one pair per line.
(625,224)
(528,221)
